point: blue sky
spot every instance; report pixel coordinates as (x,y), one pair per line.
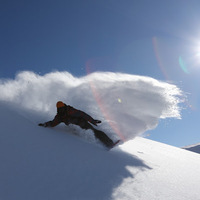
(160,39)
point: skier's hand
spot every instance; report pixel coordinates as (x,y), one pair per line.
(44,125)
(95,122)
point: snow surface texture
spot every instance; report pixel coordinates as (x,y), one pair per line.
(48,164)
(129,104)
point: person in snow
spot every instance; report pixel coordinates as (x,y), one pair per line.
(70,115)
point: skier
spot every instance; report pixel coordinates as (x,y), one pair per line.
(70,115)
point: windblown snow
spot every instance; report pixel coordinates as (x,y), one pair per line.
(129,104)
(54,163)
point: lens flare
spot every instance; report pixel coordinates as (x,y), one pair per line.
(183,65)
(119,100)
(158,58)
(104,111)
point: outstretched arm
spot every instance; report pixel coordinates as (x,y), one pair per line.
(52,123)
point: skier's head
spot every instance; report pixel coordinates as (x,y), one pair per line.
(60,104)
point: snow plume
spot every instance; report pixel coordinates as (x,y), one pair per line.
(128,105)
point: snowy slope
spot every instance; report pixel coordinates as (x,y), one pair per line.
(44,164)
(174,173)
(194,148)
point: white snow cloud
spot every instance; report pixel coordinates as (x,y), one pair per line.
(129,104)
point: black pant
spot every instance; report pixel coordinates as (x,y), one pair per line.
(98,134)
(103,137)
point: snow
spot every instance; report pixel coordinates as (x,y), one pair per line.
(44,163)
(174,172)
(129,104)
(68,163)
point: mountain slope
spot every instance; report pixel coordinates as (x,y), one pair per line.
(174,172)
(194,148)
(44,164)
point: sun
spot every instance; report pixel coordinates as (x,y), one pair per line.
(191,60)
(197,52)
(196,56)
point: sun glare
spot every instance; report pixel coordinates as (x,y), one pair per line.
(191,60)
(196,57)
(197,52)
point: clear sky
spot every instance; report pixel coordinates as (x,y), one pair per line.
(160,39)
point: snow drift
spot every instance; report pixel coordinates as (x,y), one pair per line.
(129,104)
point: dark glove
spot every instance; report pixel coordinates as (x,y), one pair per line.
(95,122)
(44,125)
